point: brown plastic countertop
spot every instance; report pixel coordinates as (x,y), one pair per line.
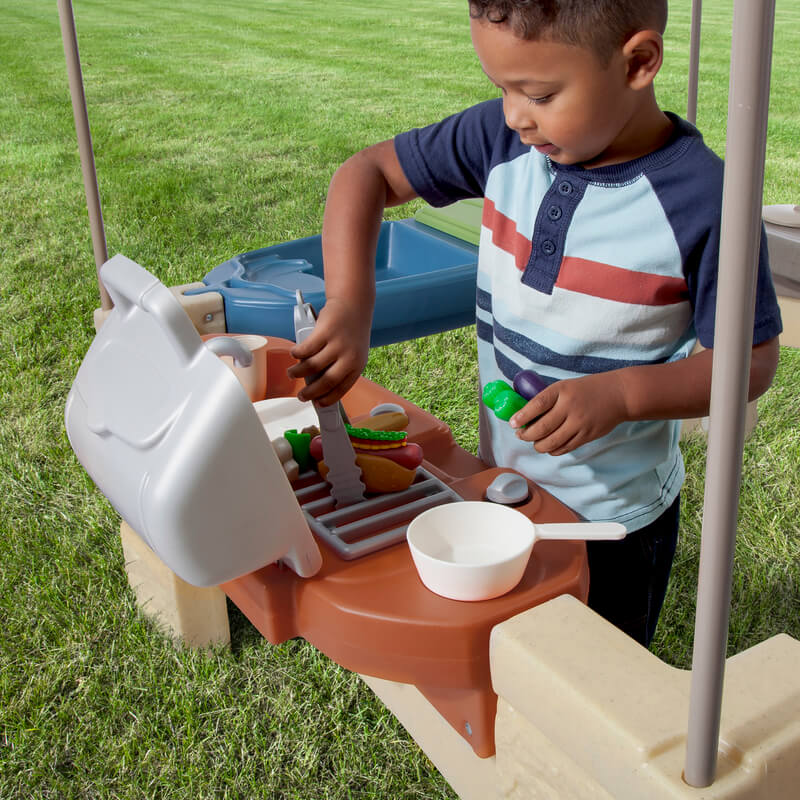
(373,615)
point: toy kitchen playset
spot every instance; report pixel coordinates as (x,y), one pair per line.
(194,465)
(189,461)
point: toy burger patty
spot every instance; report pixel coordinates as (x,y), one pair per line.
(388,461)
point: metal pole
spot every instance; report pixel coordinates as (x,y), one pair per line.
(70,39)
(694,61)
(748,103)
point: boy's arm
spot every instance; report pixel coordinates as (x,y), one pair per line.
(337,351)
(579,410)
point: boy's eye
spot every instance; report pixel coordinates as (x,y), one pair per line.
(539,100)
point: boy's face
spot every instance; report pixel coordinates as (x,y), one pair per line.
(560,98)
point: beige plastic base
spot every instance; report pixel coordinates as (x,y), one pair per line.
(193,615)
(472,778)
(587,713)
(584,712)
(784,255)
(790,314)
(206,311)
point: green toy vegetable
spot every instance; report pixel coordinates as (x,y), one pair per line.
(301,444)
(375,436)
(492,390)
(502,399)
(508,403)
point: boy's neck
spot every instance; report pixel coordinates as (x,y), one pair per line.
(647,130)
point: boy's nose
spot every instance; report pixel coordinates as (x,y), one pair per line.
(517,111)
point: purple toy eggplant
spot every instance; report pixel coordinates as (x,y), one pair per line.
(528,384)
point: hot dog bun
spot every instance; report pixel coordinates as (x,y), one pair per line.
(388,462)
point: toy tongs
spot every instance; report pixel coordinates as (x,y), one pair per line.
(343,475)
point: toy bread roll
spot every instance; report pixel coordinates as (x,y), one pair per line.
(388,462)
(380,475)
(387,421)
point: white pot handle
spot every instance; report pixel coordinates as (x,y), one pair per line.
(581,530)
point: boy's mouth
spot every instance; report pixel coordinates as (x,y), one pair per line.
(545,149)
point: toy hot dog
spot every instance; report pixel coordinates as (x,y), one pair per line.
(388,461)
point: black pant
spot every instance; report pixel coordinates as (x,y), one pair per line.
(628,578)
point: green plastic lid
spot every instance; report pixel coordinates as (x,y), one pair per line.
(461,219)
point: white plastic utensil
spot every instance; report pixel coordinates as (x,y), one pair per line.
(588,531)
(344,475)
(476,550)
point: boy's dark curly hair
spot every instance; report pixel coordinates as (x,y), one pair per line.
(598,25)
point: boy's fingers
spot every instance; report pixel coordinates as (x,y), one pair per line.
(545,425)
(339,391)
(558,438)
(522,417)
(324,392)
(532,409)
(550,444)
(566,447)
(305,368)
(529,433)
(320,386)
(306,349)
(315,361)
(332,379)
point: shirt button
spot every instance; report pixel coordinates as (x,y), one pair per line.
(548,247)
(565,187)
(554,212)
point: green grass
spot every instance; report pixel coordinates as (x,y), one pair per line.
(216,129)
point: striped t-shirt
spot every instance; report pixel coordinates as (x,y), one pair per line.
(583,271)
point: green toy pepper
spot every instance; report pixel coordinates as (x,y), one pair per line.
(502,399)
(301,444)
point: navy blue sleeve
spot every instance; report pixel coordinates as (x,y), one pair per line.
(450,160)
(691,195)
(703,283)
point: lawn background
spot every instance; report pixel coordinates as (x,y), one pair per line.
(216,129)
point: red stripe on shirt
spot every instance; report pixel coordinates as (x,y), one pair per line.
(505,234)
(623,285)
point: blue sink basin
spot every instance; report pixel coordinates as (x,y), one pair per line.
(425,282)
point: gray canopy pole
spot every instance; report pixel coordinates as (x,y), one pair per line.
(694,61)
(748,104)
(75,76)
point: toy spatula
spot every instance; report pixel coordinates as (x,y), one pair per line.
(343,474)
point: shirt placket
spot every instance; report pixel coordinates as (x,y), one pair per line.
(550,231)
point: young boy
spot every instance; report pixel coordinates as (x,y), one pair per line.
(597,270)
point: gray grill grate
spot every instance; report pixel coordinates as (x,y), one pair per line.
(372,524)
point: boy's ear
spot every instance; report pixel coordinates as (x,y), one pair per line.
(644,52)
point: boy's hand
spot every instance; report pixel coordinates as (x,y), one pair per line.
(579,410)
(572,412)
(335,354)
